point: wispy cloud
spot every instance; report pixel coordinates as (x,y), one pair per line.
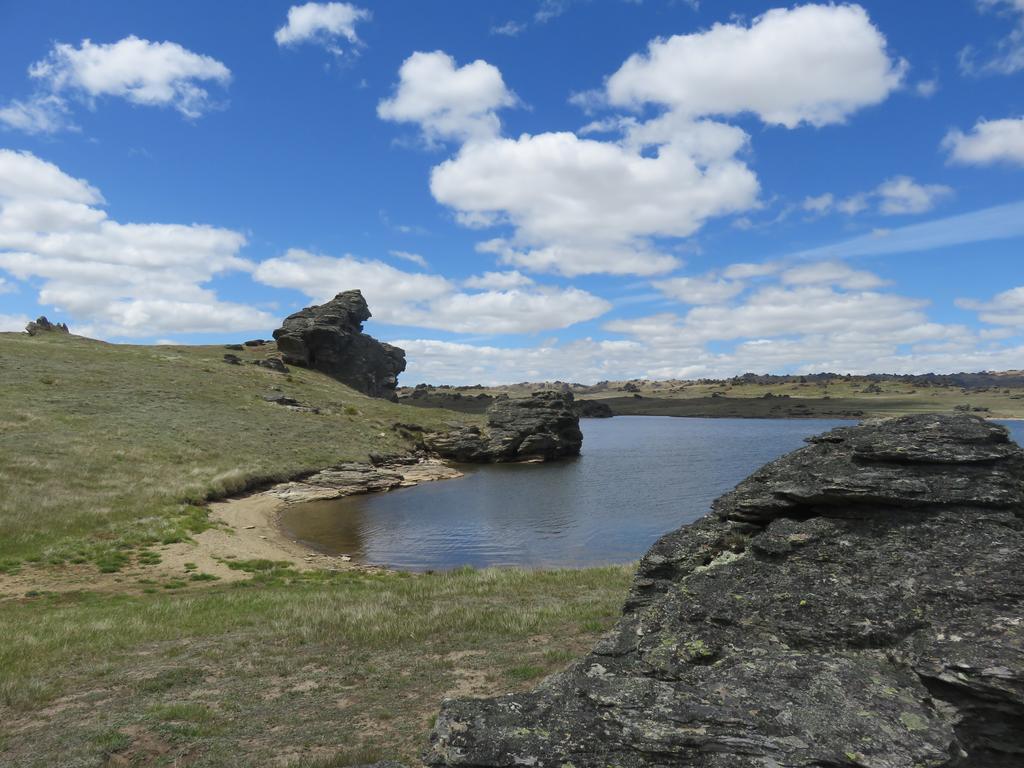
(997,223)
(509,29)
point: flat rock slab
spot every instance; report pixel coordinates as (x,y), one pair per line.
(859,602)
(353,478)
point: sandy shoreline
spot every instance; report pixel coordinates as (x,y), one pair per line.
(246,528)
(252,524)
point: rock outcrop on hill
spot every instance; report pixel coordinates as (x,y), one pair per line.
(330,338)
(859,602)
(42,325)
(542,427)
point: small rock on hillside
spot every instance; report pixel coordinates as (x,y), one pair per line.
(542,427)
(42,325)
(859,602)
(330,338)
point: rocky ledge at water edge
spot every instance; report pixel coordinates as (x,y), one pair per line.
(541,427)
(355,478)
(855,603)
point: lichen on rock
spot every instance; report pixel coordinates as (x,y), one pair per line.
(859,602)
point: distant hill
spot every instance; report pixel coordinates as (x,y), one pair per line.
(995,394)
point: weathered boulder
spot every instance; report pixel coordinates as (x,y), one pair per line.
(544,426)
(42,325)
(859,602)
(330,338)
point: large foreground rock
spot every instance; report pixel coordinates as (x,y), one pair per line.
(330,338)
(859,602)
(543,426)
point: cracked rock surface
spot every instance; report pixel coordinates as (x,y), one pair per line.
(859,602)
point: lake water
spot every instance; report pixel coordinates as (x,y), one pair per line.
(638,477)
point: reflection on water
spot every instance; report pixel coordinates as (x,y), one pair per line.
(638,477)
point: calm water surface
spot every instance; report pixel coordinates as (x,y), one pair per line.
(638,477)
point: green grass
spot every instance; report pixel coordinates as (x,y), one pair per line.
(324,668)
(108,448)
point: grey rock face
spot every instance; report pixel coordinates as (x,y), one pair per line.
(330,338)
(544,426)
(859,602)
(42,325)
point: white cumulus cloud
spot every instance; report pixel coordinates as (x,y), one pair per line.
(820,203)
(13,323)
(699,290)
(1006,308)
(388,290)
(43,113)
(498,280)
(580,205)
(801,327)
(322,23)
(832,273)
(813,64)
(902,195)
(140,71)
(430,301)
(987,143)
(446,101)
(113,279)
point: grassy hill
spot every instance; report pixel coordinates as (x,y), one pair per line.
(106,455)
(106,446)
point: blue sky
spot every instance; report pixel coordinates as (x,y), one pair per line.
(526,190)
